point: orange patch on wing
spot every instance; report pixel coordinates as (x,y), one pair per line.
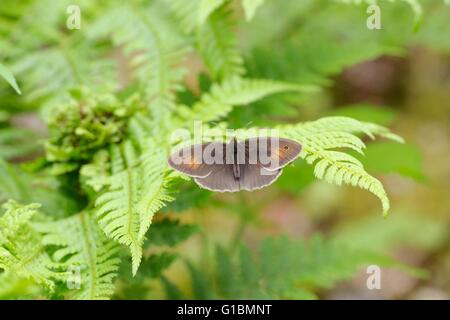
(193,163)
(276,153)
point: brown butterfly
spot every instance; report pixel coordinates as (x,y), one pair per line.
(234,166)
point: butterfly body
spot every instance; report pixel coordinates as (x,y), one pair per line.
(229,167)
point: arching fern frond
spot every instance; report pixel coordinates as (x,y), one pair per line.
(21,251)
(414,4)
(320,139)
(187,13)
(49,73)
(307,266)
(14,287)
(218,45)
(234,92)
(250,7)
(206,8)
(9,77)
(81,244)
(45,59)
(136,190)
(196,12)
(14,184)
(153,48)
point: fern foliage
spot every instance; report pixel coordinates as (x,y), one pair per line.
(414,4)
(81,245)
(320,139)
(21,249)
(282,269)
(9,77)
(236,92)
(218,46)
(250,7)
(136,189)
(153,46)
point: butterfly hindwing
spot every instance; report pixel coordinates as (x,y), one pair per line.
(220,179)
(255,176)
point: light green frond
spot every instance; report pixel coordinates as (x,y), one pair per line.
(190,12)
(9,77)
(81,244)
(218,45)
(152,46)
(116,208)
(14,287)
(187,13)
(250,7)
(154,193)
(319,140)
(235,92)
(307,266)
(49,73)
(21,251)
(13,184)
(414,4)
(136,190)
(206,7)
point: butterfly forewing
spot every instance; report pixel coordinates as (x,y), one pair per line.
(272,153)
(191,160)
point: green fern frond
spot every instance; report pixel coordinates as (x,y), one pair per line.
(47,59)
(218,46)
(206,8)
(17,142)
(136,190)
(21,251)
(250,7)
(187,13)
(307,267)
(320,138)
(49,73)
(154,50)
(13,184)
(414,4)
(235,92)
(9,77)
(14,287)
(81,244)
(117,213)
(30,24)
(192,12)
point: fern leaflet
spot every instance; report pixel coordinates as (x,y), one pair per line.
(136,190)
(83,245)
(234,92)
(21,251)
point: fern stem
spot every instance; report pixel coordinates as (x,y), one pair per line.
(88,243)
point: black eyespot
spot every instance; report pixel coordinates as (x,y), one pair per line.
(286,147)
